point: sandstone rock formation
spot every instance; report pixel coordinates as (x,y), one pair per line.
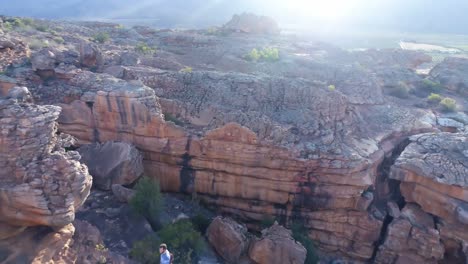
(433,172)
(253,24)
(312,135)
(46,184)
(277,246)
(90,55)
(452,73)
(112,163)
(229,238)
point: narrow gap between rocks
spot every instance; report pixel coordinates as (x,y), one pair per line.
(386,190)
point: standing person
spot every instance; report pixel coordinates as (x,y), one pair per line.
(166,256)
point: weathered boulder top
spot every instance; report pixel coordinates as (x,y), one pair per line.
(251,23)
(452,72)
(441,157)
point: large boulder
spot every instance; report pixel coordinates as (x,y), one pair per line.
(44,60)
(452,73)
(277,246)
(90,55)
(112,163)
(253,24)
(229,239)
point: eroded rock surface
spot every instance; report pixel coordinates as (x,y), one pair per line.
(433,172)
(452,73)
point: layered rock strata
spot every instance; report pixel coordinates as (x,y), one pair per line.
(433,171)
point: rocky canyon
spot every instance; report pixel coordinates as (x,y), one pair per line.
(347,143)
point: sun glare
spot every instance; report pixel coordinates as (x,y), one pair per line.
(330,10)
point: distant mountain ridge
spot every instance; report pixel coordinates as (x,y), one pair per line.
(436,16)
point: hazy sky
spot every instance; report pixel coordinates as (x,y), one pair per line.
(429,16)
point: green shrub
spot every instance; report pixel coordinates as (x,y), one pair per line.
(253,55)
(181,238)
(18,23)
(28,21)
(200,222)
(7,26)
(266,54)
(187,69)
(101,37)
(148,200)
(36,44)
(42,27)
(172,118)
(267,221)
(270,54)
(431,86)
(300,234)
(331,87)
(434,98)
(146,251)
(59,40)
(448,104)
(145,49)
(401,90)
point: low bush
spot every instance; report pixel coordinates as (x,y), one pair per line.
(101,37)
(42,28)
(331,87)
(201,223)
(172,118)
(187,69)
(300,234)
(143,48)
(448,104)
(431,86)
(267,221)
(181,238)
(434,98)
(266,54)
(401,90)
(59,40)
(146,251)
(148,201)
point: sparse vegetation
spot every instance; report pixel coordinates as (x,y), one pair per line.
(146,251)
(200,222)
(187,69)
(434,98)
(36,44)
(59,40)
(331,87)
(300,234)
(101,247)
(401,90)
(266,54)
(143,48)
(101,37)
(172,118)
(181,238)
(42,27)
(267,221)
(148,200)
(448,104)
(431,86)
